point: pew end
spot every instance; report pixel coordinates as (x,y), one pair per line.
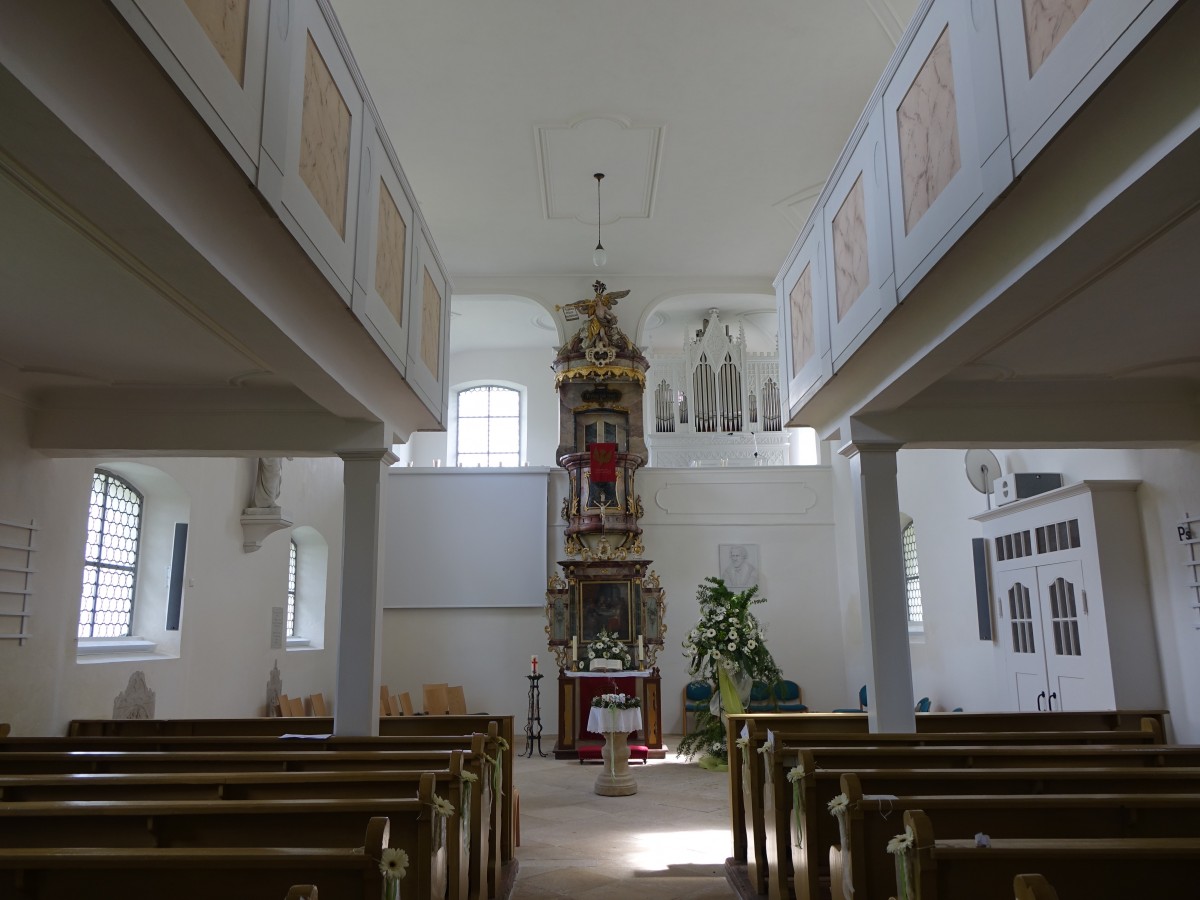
(1033,887)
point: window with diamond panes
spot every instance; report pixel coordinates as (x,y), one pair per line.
(912,577)
(291,612)
(489,426)
(110,557)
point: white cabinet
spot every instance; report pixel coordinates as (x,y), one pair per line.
(1070,599)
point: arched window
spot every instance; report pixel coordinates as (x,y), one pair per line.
(308,572)
(110,557)
(912,576)
(291,593)
(489,426)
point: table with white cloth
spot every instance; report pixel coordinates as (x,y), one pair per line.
(615,779)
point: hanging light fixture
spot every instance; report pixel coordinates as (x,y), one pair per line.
(600,256)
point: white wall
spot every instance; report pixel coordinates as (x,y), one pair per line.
(689,512)
(529,368)
(950,664)
(224,655)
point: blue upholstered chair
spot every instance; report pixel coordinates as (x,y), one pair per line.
(696,696)
(787,697)
(922,705)
(862,701)
(760,698)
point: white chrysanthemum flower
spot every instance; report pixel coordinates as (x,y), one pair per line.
(393,863)
(795,774)
(902,842)
(839,803)
(443,807)
(591,654)
(751,644)
(732,647)
(469,776)
(716,654)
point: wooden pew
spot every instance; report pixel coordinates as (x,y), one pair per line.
(484,869)
(390,726)
(944,869)
(749,809)
(870,822)
(465,869)
(806,839)
(756,726)
(192,873)
(239,823)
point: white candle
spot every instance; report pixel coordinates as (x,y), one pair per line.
(574,648)
(641,649)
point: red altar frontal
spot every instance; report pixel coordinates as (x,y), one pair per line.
(575,693)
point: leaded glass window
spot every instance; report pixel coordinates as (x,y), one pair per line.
(110,557)
(912,577)
(489,426)
(291,604)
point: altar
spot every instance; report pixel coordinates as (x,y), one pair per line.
(575,693)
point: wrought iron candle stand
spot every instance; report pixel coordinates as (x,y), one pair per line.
(533,724)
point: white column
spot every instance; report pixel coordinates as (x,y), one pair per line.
(360,638)
(881,586)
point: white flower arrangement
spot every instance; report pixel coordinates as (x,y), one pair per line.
(609,646)
(839,804)
(616,701)
(726,639)
(443,807)
(901,843)
(469,777)
(796,774)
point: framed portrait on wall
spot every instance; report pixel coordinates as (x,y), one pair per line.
(605,606)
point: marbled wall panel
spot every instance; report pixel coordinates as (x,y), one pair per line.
(851,269)
(431,324)
(927,131)
(389,253)
(325,139)
(802,321)
(1046,22)
(225,23)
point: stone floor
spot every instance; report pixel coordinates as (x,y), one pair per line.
(669,840)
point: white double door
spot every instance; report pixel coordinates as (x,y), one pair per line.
(1044,630)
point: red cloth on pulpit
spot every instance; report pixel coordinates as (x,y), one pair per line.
(603,462)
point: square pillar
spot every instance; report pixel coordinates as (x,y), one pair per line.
(881,588)
(360,637)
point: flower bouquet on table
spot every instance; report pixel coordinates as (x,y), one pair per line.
(726,648)
(606,646)
(616,701)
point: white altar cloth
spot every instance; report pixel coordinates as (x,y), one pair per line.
(601,720)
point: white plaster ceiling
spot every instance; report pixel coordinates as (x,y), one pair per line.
(715,124)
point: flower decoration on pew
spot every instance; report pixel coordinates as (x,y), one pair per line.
(616,701)
(839,804)
(901,847)
(901,843)
(443,807)
(393,863)
(727,649)
(607,646)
